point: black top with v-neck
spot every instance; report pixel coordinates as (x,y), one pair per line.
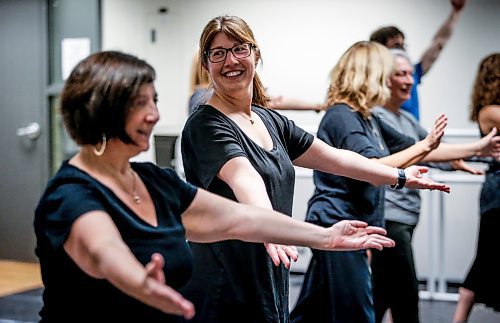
(233,280)
(70,294)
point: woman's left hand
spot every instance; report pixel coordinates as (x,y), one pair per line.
(415,179)
(354,235)
(433,139)
(281,253)
(489,145)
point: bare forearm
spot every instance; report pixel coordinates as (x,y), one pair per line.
(325,158)
(213,218)
(285,103)
(444,32)
(446,152)
(439,41)
(278,228)
(144,283)
(407,157)
(116,263)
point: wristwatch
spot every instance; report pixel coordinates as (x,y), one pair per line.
(401,180)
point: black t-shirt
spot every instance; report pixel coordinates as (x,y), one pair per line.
(337,197)
(233,280)
(70,295)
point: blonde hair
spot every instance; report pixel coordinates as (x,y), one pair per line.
(199,76)
(360,77)
(236,28)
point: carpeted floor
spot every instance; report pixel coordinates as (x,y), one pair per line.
(21,307)
(24,307)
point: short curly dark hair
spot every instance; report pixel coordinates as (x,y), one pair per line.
(98,94)
(383,34)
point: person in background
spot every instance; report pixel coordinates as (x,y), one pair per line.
(111,234)
(235,147)
(201,91)
(200,85)
(287,103)
(337,286)
(483,282)
(393,37)
(395,283)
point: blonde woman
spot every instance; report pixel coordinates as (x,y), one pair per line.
(337,286)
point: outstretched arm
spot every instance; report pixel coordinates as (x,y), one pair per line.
(96,246)
(322,157)
(285,103)
(442,36)
(212,218)
(488,146)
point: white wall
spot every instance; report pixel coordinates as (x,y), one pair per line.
(302,40)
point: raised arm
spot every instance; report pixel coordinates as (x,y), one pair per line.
(212,218)
(442,36)
(96,246)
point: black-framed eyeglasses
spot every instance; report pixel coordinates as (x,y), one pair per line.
(217,55)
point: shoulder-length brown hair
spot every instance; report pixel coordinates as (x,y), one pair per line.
(236,28)
(99,93)
(360,77)
(486,89)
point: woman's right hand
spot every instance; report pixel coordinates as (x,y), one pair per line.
(161,296)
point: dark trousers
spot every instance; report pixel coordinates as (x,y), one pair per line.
(483,277)
(336,289)
(395,283)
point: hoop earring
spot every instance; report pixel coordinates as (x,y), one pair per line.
(99,152)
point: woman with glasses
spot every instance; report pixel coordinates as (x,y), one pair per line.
(235,147)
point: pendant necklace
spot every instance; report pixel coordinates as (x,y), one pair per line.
(376,133)
(135,196)
(245,116)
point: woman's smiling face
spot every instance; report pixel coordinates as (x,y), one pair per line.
(232,75)
(142,117)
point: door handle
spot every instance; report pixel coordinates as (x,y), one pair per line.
(31,131)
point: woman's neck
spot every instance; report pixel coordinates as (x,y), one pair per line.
(228,104)
(393,106)
(111,162)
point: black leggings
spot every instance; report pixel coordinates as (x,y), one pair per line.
(484,276)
